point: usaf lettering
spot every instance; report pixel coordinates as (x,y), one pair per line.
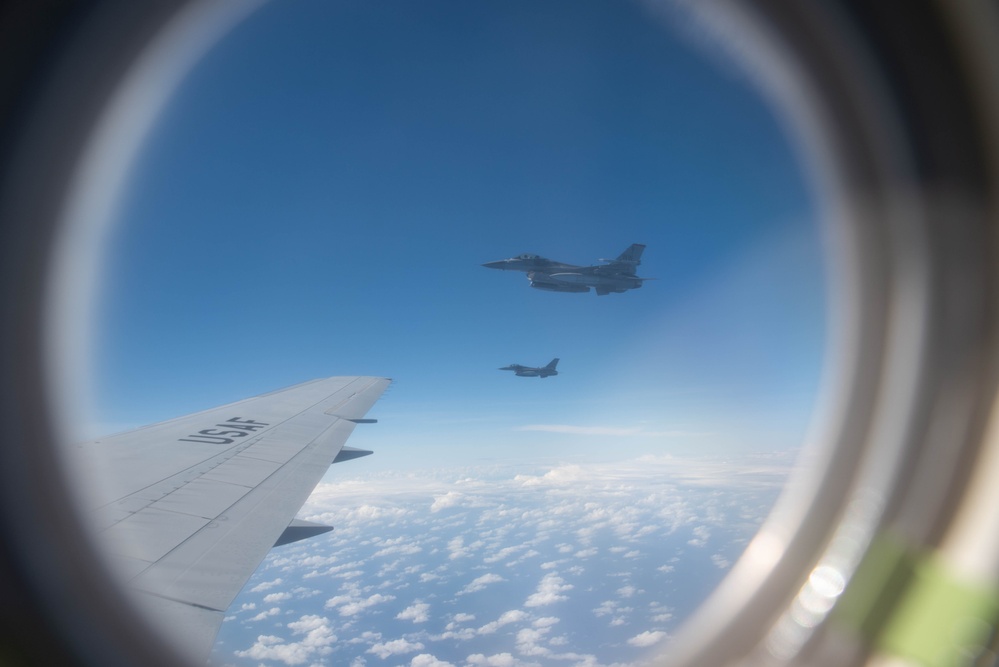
(226,432)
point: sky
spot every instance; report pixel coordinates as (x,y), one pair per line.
(317,199)
(319,194)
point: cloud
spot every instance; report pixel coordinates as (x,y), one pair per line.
(589,528)
(606,607)
(498,660)
(503,553)
(528,641)
(351,606)
(720,561)
(457,549)
(549,591)
(273,611)
(316,642)
(449,499)
(701,536)
(395,647)
(416,613)
(479,583)
(427,660)
(267,585)
(567,474)
(402,549)
(647,638)
(512,616)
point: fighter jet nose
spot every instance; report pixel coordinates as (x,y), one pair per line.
(494,265)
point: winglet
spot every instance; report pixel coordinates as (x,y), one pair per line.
(348,453)
(299,529)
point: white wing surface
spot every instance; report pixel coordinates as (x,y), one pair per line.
(188,508)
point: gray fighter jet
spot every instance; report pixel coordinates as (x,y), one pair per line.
(617,275)
(532,372)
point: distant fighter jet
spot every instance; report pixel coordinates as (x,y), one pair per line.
(617,275)
(531,372)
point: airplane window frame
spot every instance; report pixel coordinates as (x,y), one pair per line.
(912,213)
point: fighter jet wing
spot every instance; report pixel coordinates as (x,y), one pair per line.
(188,508)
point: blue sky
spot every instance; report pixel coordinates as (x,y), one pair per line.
(319,194)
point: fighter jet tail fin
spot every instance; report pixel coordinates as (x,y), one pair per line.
(633,255)
(552,364)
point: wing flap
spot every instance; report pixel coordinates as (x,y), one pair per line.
(203,497)
(244,470)
(150,534)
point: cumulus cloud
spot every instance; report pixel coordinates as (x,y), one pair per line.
(606,608)
(318,637)
(456,548)
(267,585)
(528,641)
(549,591)
(449,499)
(503,553)
(427,660)
(701,536)
(512,616)
(273,611)
(416,613)
(395,647)
(400,549)
(479,583)
(498,660)
(591,528)
(350,605)
(648,638)
(563,475)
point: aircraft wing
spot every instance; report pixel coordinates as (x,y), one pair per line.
(188,508)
